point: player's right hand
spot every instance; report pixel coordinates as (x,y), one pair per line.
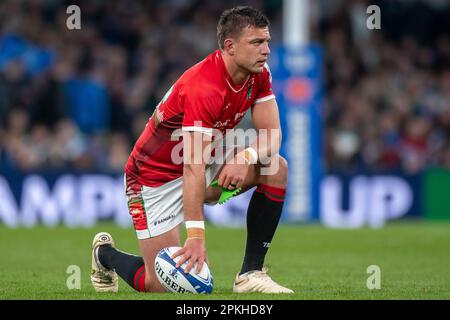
(194,250)
(233,175)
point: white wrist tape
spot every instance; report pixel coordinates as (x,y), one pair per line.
(195,224)
(253,154)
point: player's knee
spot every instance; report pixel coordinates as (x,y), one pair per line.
(282,171)
(279,175)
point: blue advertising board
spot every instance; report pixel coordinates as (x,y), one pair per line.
(367,200)
(82,199)
(297,84)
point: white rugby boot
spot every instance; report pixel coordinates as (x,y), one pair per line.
(103,280)
(257,281)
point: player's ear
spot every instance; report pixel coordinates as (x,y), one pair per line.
(228,46)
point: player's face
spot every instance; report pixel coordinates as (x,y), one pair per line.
(252,49)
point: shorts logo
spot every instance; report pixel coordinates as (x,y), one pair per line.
(169,217)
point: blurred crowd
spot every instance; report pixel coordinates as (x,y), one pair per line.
(387,104)
(80,98)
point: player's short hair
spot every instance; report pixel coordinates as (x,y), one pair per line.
(234,20)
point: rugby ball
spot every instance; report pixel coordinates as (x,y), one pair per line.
(176,280)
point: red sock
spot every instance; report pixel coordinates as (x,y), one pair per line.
(273,193)
(139,279)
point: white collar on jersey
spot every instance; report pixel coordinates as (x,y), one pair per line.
(243,85)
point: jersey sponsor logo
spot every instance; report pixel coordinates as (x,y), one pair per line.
(223,124)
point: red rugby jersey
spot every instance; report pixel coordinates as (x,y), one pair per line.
(202,99)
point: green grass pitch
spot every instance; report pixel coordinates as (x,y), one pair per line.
(317,263)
